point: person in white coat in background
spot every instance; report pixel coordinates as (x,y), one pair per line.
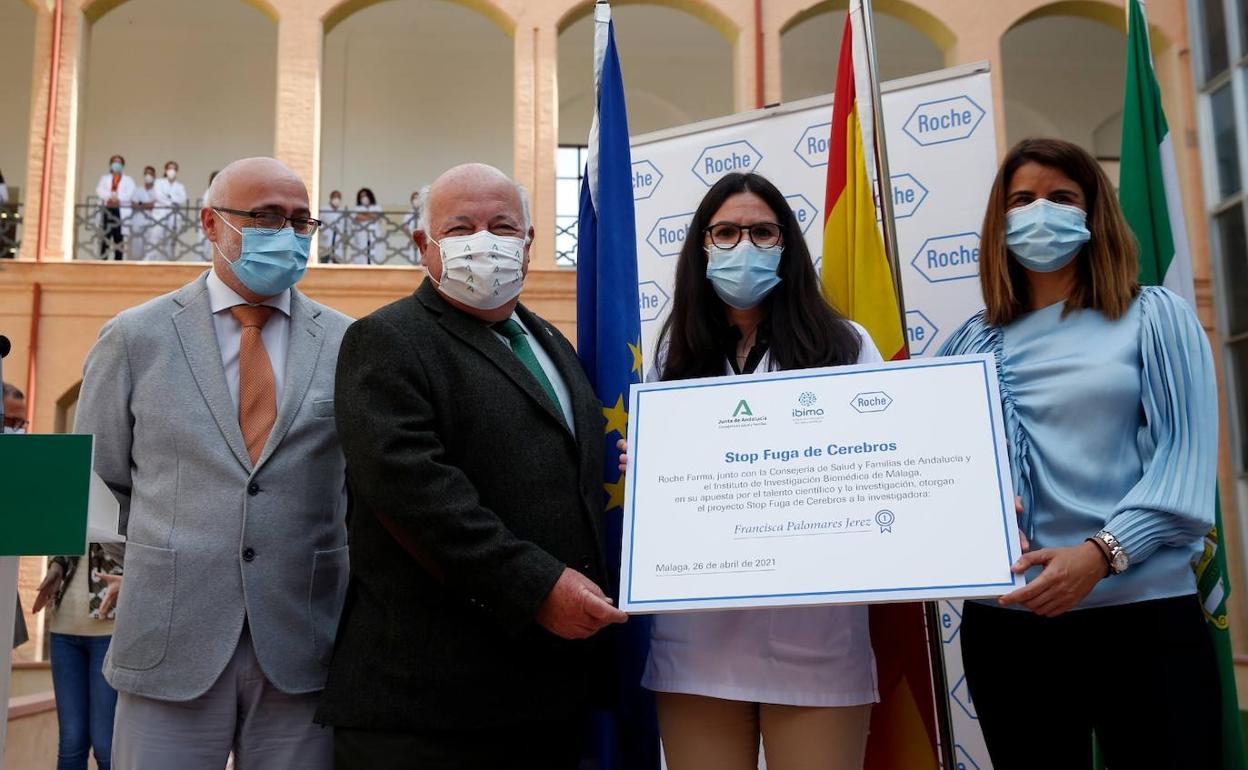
(367,244)
(142,215)
(114,190)
(168,217)
(333,238)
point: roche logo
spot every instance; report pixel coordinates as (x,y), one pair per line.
(872,401)
(812,145)
(805,211)
(950,621)
(920,332)
(948,257)
(652,300)
(944,120)
(646,178)
(668,234)
(908,194)
(720,159)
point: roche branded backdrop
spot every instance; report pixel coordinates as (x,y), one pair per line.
(942,155)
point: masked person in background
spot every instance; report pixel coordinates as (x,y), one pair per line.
(142,215)
(412,223)
(367,244)
(474,448)
(1111,418)
(170,197)
(114,190)
(213,415)
(802,679)
(333,223)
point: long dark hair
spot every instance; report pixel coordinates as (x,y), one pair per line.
(372,199)
(805,330)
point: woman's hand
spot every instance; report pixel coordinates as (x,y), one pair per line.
(1069,575)
(50,586)
(1022,536)
(622,445)
(111,593)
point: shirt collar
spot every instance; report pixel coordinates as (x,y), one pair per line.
(221,297)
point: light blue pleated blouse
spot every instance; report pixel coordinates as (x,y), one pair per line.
(1111,425)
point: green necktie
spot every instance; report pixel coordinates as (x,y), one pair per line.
(519,341)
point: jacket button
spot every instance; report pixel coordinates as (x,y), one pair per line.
(253,489)
(249,554)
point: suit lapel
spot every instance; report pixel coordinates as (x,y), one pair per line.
(199,343)
(302,353)
(477,335)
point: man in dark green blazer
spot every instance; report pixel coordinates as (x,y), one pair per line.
(473,441)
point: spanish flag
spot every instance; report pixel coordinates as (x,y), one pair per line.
(858,281)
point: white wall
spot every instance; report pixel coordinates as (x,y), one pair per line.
(411,88)
(183,80)
(809,52)
(677,70)
(17,50)
(1063,78)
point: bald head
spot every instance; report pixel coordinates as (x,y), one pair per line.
(247,185)
(479,179)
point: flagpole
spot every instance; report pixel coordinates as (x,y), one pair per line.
(935,651)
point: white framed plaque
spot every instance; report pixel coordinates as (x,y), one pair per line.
(844,485)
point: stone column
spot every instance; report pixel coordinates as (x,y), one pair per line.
(297,142)
(536,126)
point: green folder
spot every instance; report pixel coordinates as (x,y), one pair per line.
(45,490)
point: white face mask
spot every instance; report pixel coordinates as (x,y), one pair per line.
(171,174)
(148,179)
(7,429)
(482,270)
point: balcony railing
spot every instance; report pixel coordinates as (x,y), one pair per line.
(10,230)
(174,235)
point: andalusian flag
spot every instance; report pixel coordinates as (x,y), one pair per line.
(857,278)
(1149,191)
(858,281)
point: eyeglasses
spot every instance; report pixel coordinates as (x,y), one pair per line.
(269,222)
(764,235)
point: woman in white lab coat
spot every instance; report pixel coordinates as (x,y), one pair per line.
(142,215)
(168,215)
(367,246)
(801,679)
(411,224)
(114,190)
(333,237)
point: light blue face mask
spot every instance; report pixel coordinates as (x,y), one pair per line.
(1045,236)
(269,263)
(116,167)
(744,275)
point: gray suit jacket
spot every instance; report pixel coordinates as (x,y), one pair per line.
(212,540)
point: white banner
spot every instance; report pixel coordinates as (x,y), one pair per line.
(942,155)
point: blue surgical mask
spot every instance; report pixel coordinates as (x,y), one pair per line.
(744,275)
(1045,236)
(269,263)
(116,167)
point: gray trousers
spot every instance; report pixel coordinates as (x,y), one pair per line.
(242,712)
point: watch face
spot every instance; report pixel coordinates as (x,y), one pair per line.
(1120,561)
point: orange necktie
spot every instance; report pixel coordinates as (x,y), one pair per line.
(257,390)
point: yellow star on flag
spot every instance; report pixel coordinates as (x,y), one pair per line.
(636,351)
(617,417)
(615,493)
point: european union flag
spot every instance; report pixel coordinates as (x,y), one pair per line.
(608,337)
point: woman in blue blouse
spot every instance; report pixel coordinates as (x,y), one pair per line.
(1111,417)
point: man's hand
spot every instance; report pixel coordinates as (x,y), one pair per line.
(111,593)
(576,608)
(1069,575)
(50,586)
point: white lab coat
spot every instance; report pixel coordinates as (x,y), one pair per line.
(333,234)
(139,223)
(367,246)
(125,192)
(171,208)
(793,656)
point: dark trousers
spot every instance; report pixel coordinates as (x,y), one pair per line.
(110,245)
(541,746)
(84,701)
(1142,676)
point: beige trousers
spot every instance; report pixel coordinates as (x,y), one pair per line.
(701,733)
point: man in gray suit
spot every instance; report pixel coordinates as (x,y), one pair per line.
(213,414)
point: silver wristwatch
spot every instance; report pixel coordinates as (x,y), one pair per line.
(1118,559)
